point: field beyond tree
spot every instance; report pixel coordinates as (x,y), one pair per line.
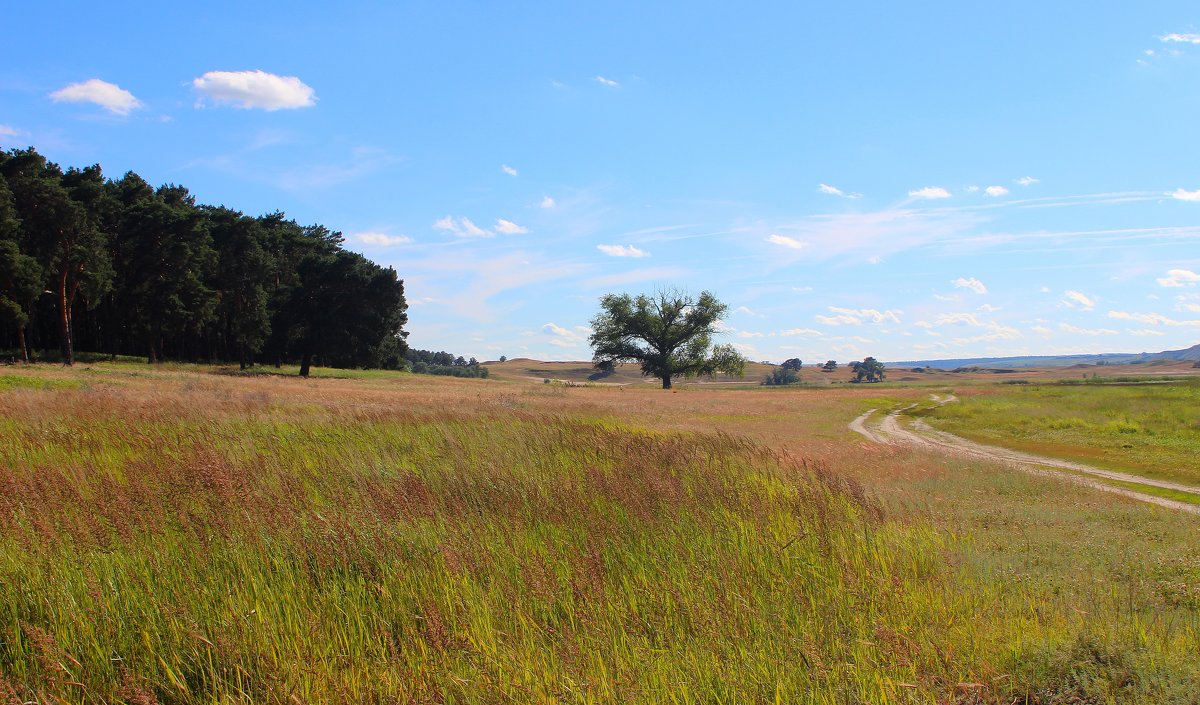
(176,536)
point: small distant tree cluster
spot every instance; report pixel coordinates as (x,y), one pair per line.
(428,362)
(829,366)
(869,370)
(781,376)
(792,364)
(669,333)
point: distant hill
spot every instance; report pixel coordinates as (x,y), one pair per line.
(1187,354)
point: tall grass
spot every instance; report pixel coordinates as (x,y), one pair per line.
(213,542)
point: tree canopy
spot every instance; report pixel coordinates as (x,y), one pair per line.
(120,267)
(869,370)
(669,333)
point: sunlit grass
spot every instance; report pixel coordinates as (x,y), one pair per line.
(1150,429)
(193,538)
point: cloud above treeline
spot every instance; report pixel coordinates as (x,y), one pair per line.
(107,95)
(255,90)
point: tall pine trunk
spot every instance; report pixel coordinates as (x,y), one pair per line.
(64,320)
(21,342)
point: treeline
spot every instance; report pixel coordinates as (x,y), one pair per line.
(427,362)
(119,267)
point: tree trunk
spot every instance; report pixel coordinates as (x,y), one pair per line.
(666,381)
(64,320)
(305,363)
(21,342)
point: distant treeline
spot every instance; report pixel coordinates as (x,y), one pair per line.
(119,267)
(427,362)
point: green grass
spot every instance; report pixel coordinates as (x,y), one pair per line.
(1147,429)
(203,539)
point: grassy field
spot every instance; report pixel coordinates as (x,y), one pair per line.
(173,535)
(1150,428)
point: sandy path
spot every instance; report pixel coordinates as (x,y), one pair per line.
(890,430)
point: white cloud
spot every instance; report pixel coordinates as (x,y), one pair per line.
(930,193)
(801,331)
(1027,181)
(508,170)
(107,95)
(1042,329)
(1071,299)
(972,189)
(749,334)
(547,202)
(746,310)
(784,240)
(988,308)
(1153,319)
(255,89)
(463,227)
(566,337)
(383,239)
(996,191)
(835,191)
(1178,278)
(859,316)
(1086,331)
(607,82)
(1144,331)
(1184,195)
(622,251)
(1181,38)
(973,284)
(9,134)
(507,227)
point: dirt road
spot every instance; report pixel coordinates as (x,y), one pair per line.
(891,430)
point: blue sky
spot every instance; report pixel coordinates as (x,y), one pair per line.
(901,180)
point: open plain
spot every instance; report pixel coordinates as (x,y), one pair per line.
(185,534)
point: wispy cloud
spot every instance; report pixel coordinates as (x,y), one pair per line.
(107,95)
(462,227)
(507,227)
(10,135)
(1077,299)
(1184,195)
(508,170)
(931,193)
(622,251)
(1181,38)
(973,284)
(566,337)
(382,239)
(1152,319)
(1068,328)
(785,241)
(1177,278)
(996,191)
(859,316)
(1026,181)
(255,89)
(808,332)
(607,82)
(636,276)
(547,202)
(835,191)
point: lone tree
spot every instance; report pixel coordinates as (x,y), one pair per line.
(669,333)
(869,369)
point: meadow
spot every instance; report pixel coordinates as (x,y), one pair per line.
(181,535)
(1149,427)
